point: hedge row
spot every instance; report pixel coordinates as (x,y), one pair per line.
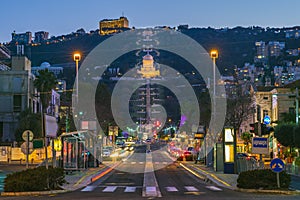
(36,179)
(263,179)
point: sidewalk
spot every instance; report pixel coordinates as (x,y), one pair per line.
(224,180)
(208,174)
(79,179)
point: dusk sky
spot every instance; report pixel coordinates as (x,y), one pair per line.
(60,17)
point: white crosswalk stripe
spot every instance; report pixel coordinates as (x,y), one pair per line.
(110,189)
(130,189)
(214,188)
(88,188)
(148,190)
(191,188)
(171,189)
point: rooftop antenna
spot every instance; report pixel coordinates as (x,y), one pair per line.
(122,14)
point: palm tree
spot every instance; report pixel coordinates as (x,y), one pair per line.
(45,82)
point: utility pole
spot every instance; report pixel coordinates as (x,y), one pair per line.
(259,128)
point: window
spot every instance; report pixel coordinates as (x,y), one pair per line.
(17,103)
(265,98)
(266,112)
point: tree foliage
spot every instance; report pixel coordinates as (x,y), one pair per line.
(297,136)
(239,107)
(247,137)
(284,133)
(103,107)
(45,82)
(29,121)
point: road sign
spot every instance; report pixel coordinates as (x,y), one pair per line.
(267,119)
(27,135)
(277,165)
(25,149)
(260,145)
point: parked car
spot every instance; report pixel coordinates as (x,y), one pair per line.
(246,156)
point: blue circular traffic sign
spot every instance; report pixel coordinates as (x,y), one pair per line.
(267,119)
(277,165)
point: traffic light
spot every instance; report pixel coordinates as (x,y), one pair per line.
(254,128)
(266,130)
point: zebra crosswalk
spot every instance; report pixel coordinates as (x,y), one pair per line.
(133,189)
(141,163)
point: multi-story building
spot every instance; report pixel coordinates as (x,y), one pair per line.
(110,26)
(17,93)
(274,101)
(292,34)
(41,36)
(21,38)
(261,51)
(275,48)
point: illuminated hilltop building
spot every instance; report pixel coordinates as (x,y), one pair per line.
(148,70)
(110,26)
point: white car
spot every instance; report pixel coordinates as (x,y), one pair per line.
(106,153)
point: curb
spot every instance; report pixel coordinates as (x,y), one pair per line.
(287,192)
(206,176)
(33,193)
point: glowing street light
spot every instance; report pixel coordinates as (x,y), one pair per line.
(77,58)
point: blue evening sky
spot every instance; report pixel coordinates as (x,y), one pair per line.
(65,16)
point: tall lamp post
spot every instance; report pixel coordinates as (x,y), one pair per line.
(77,58)
(214,55)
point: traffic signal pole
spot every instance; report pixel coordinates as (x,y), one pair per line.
(259,128)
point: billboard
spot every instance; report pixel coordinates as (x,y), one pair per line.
(50,126)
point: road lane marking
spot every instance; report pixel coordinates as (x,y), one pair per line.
(150,185)
(150,191)
(214,188)
(191,188)
(133,163)
(110,189)
(88,188)
(141,162)
(130,189)
(171,189)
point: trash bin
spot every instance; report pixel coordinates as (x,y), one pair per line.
(229,168)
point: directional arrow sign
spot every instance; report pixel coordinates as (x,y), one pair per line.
(277,165)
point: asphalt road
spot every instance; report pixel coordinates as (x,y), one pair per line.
(153,176)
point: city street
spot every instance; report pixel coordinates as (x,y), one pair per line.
(133,180)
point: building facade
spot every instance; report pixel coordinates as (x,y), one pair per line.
(41,36)
(17,93)
(110,26)
(21,38)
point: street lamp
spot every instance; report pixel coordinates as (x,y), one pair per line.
(214,55)
(77,58)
